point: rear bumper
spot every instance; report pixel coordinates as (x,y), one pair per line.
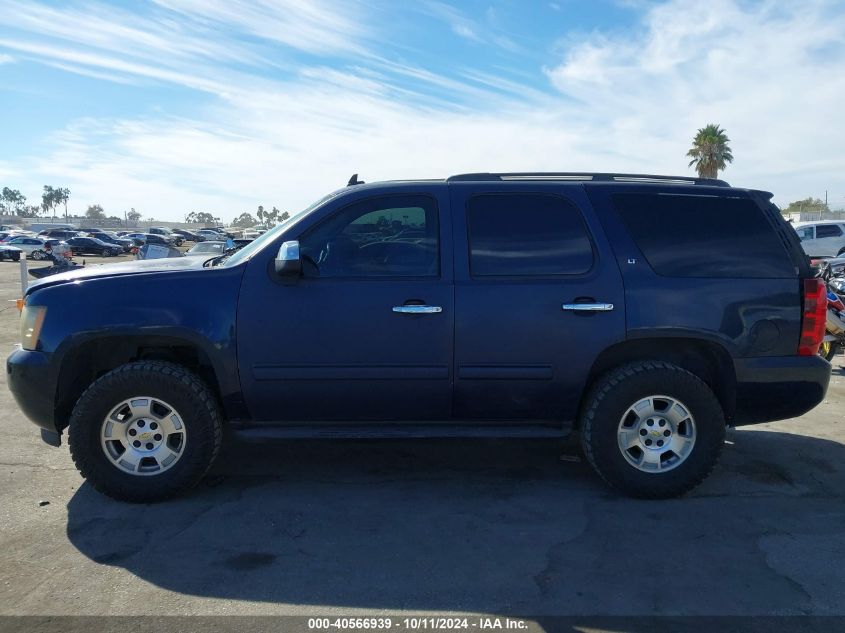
(30,380)
(779,387)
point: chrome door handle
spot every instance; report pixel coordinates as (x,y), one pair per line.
(414,309)
(588,307)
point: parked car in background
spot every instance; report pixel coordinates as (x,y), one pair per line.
(58,234)
(254,231)
(11,253)
(111,238)
(158,251)
(11,228)
(825,238)
(189,236)
(206,249)
(33,247)
(147,238)
(170,236)
(93,246)
(212,234)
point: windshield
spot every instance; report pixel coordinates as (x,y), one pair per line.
(258,243)
(207,247)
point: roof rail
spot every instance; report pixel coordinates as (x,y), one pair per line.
(588,176)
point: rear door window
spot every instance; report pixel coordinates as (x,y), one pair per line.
(518,235)
(704,236)
(828,230)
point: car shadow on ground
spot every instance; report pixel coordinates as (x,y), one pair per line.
(478,525)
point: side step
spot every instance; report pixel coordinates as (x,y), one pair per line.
(396,431)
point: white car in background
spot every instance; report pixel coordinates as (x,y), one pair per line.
(253,232)
(824,238)
(35,247)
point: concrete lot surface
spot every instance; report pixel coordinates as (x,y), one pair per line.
(368,527)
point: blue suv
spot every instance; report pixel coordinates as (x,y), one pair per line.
(646,313)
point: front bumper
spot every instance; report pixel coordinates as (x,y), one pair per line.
(30,379)
(778,387)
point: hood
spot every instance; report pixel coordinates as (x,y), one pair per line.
(136,267)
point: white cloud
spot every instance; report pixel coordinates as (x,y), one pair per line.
(6,59)
(772,74)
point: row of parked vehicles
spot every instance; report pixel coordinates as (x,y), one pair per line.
(17,243)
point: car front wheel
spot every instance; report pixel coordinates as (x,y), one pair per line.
(652,429)
(145,431)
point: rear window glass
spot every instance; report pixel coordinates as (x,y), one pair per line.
(827,230)
(704,236)
(526,235)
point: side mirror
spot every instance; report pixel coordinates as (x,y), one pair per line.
(287,260)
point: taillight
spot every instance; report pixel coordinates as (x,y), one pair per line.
(813,318)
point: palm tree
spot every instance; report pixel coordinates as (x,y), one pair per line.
(710,151)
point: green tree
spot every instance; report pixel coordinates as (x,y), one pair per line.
(200,217)
(95,212)
(12,201)
(62,195)
(813,205)
(260,214)
(710,152)
(133,215)
(49,198)
(244,220)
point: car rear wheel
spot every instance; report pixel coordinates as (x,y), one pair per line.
(652,429)
(145,431)
(38,255)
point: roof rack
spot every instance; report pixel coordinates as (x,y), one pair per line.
(587,176)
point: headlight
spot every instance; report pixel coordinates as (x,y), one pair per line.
(32,318)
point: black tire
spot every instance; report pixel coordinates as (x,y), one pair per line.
(611,396)
(38,255)
(174,384)
(16,257)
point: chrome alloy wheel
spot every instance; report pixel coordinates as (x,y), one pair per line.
(143,436)
(656,434)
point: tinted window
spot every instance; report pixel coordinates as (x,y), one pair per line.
(827,230)
(388,236)
(704,236)
(526,234)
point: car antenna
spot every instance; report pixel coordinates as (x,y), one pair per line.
(354,181)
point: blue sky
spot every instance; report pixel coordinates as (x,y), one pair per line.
(173,106)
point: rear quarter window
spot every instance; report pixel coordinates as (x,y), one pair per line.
(704,236)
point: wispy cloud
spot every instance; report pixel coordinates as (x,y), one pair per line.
(315,26)
(485,31)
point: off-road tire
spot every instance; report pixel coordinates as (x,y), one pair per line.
(172,383)
(609,398)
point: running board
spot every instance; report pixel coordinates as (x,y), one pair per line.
(397,431)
